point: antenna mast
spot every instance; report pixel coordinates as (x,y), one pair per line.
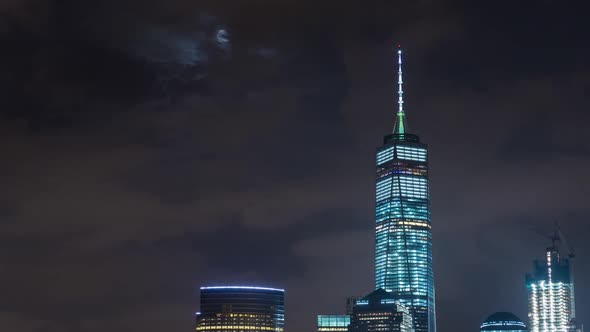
(400,122)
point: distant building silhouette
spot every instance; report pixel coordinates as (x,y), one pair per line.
(350,301)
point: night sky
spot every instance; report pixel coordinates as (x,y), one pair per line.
(151,147)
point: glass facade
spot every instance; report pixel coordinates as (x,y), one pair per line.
(403,255)
(550,294)
(328,323)
(241,309)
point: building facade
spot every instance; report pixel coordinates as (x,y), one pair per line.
(403,255)
(241,309)
(333,323)
(550,291)
(350,301)
(379,311)
(503,322)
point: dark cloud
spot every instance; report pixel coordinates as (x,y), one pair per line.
(272,251)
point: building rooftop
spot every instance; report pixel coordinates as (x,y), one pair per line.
(243,287)
(503,321)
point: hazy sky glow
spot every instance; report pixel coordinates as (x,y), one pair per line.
(147,153)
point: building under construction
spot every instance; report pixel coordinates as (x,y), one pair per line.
(551,292)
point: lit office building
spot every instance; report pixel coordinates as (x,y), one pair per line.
(379,311)
(403,255)
(240,309)
(551,293)
(503,322)
(333,323)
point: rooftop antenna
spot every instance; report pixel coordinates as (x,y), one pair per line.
(400,121)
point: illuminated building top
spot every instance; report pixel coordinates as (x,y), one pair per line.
(243,287)
(504,322)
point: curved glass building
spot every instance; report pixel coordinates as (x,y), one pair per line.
(240,309)
(403,253)
(503,322)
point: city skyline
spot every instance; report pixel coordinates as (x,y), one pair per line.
(153,147)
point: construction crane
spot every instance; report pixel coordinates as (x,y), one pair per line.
(571,255)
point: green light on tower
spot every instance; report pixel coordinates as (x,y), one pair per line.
(400,119)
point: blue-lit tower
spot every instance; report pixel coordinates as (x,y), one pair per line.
(403,255)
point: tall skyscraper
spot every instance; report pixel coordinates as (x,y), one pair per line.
(403,255)
(551,293)
(241,308)
(379,311)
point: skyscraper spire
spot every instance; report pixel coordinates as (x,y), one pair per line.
(400,121)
